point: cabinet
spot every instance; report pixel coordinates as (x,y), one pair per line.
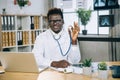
(18,32)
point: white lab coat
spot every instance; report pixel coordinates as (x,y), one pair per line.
(46,48)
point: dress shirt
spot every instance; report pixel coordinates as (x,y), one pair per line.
(46,49)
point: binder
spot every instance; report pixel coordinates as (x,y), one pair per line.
(10,22)
(19,38)
(3,22)
(13,22)
(32,24)
(13,39)
(6,38)
(24,37)
(33,36)
(37,22)
(7,23)
(10,38)
(27,37)
(3,39)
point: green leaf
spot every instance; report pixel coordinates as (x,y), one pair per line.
(87,62)
(84,15)
(22,3)
(102,66)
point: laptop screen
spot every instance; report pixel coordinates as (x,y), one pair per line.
(18,61)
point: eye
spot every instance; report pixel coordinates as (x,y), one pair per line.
(55,21)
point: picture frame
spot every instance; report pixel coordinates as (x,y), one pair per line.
(105,4)
(106,20)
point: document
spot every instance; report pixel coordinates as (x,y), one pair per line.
(69,69)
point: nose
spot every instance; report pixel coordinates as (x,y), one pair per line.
(55,22)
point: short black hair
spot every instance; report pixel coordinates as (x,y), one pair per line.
(55,11)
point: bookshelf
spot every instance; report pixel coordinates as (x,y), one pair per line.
(0,37)
(18,32)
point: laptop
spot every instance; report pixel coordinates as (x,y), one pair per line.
(20,62)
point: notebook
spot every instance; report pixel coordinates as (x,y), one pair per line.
(20,62)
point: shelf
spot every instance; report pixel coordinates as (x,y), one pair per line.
(98,38)
(19,31)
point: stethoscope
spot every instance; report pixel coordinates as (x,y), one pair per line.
(61,51)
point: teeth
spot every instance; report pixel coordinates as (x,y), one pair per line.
(55,27)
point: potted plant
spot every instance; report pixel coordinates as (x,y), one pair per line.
(22,3)
(3,11)
(102,70)
(84,16)
(87,69)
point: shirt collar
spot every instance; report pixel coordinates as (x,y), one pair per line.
(60,33)
(56,36)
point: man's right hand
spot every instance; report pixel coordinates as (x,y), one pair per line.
(60,64)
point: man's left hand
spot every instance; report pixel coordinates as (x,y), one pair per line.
(74,31)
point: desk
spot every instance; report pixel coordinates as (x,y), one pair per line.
(52,75)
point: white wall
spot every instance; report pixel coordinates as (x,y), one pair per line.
(67,6)
(37,7)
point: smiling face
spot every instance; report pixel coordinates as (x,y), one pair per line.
(56,22)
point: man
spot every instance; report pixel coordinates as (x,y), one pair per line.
(57,47)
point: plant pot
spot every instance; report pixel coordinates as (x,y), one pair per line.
(87,71)
(115,71)
(103,74)
(84,32)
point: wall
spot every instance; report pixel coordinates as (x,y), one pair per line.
(37,7)
(72,5)
(0,37)
(98,51)
(115,32)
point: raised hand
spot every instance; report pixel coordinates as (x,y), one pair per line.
(74,31)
